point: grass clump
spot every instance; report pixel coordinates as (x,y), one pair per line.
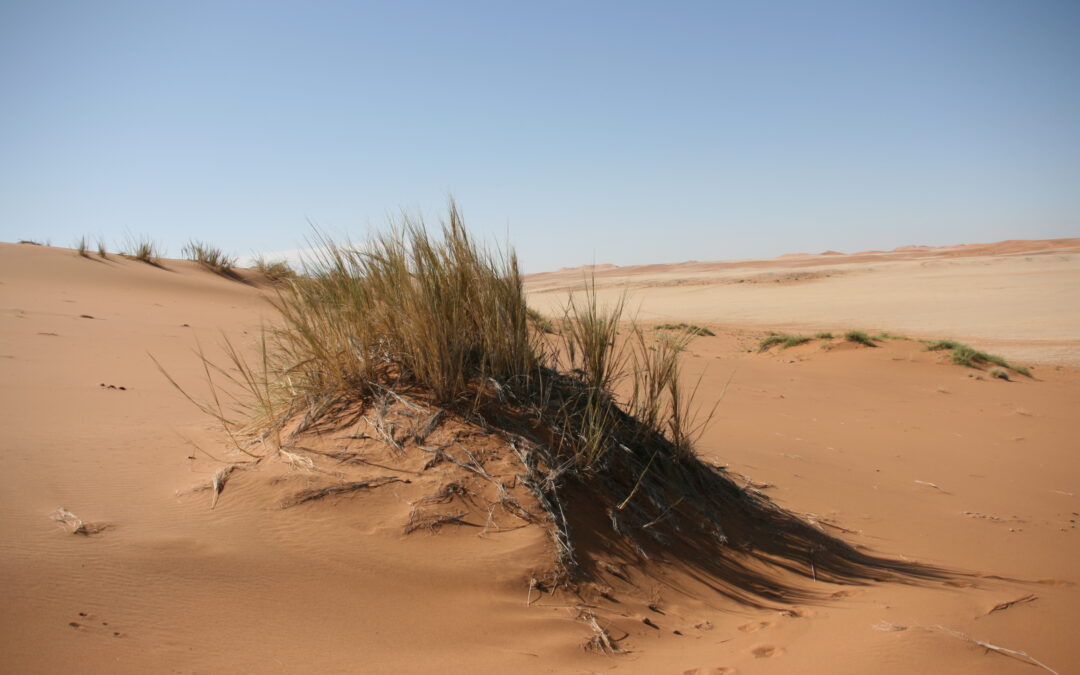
(859,337)
(687,328)
(885,335)
(210,257)
(275,271)
(783,339)
(825,335)
(966,355)
(142,247)
(101,250)
(82,247)
(439,322)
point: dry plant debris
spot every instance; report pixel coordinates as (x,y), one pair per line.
(75,524)
(305,496)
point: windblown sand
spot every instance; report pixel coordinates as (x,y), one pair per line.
(892,448)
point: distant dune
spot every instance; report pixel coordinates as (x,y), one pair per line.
(1019,295)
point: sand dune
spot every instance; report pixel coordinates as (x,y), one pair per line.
(1016,297)
(892,448)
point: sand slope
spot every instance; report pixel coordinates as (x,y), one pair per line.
(908,454)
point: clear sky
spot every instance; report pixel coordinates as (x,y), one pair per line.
(609,132)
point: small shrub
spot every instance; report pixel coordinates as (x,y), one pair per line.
(688,328)
(859,337)
(142,248)
(783,339)
(210,257)
(824,336)
(999,373)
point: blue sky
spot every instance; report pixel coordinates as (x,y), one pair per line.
(612,132)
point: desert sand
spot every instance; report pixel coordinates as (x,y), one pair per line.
(891,448)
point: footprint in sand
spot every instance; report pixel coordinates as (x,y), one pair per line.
(766,651)
(797,612)
(755,626)
(91,622)
(718,670)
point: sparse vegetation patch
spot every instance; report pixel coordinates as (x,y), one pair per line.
(783,339)
(859,337)
(686,328)
(966,355)
(210,257)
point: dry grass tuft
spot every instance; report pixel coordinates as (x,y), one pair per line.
(275,271)
(82,247)
(142,247)
(210,257)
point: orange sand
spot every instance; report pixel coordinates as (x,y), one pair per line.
(908,454)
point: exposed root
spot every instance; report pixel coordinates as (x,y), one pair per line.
(345,488)
(437,457)
(433,523)
(447,494)
(76,525)
(1005,605)
(427,428)
(383,428)
(545,489)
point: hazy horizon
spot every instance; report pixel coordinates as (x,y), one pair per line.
(621,133)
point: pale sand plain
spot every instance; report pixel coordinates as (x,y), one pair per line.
(892,448)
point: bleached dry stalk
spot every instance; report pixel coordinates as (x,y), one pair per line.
(933,485)
(1014,653)
(220,477)
(75,524)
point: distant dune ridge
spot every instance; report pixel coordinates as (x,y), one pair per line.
(890,447)
(1018,295)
